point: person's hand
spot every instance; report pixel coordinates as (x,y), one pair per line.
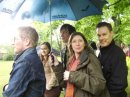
(5,87)
(48,88)
(66,75)
(51,60)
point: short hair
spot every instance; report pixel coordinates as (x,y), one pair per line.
(68,27)
(102,24)
(29,33)
(48,45)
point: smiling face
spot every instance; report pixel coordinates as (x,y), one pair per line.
(44,50)
(104,35)
(78,44)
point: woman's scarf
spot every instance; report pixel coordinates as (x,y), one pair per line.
(70,87)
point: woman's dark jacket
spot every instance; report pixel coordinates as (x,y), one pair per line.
(88,78)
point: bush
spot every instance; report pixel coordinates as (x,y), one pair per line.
(8,57)
(9,53)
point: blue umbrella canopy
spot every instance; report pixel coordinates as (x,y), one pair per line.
(10,6)
(50,10)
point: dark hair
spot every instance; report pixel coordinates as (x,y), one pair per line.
(102,24)
(93,45)
(68,27)
(48,45)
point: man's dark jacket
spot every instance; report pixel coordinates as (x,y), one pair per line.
(113,61)
(27,77)
(64,57)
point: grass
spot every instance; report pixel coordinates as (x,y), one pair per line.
(6,66)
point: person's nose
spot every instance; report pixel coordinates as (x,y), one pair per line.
(77,43)
(101,38)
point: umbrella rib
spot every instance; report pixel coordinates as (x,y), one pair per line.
(72,10)
(96,5)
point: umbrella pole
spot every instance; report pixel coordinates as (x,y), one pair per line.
(50,20)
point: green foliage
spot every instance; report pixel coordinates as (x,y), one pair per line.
(117,12)
(9,53)
(47,32)
(56,42)
(128,64)
(128,61)
(42,30)
(87,26)
(8,57)
(55,24)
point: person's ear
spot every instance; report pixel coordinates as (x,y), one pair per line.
(27,41)
(112,33)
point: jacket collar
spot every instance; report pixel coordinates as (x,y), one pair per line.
(25,52)
(109,46)
(84,59)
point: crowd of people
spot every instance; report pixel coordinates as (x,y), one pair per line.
(82,71)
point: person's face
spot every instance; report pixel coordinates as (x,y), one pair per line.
(78,44)
(104,36)
(18,44)
(44,50)
(64,35)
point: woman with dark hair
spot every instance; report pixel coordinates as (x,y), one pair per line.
(48,59)
(83,75)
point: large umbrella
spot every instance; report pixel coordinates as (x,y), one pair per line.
(49,10)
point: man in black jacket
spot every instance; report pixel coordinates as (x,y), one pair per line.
(113,61)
